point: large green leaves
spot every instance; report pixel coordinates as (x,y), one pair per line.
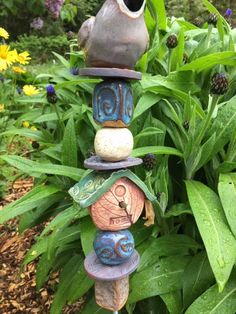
(224,125)
(69,145)
(73,284)
(28,202)
(211,60)
(218,239)
(167,245)
(213,302)
(197,278)
(157,150)
(88,231)
(32,167)
(227,192)
(160,278)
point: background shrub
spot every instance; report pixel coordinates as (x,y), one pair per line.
(41,48)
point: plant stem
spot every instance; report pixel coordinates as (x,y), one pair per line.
(158,212)
(208,40)
(206,124)
(61,124)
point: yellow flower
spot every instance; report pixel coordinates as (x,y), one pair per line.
(4,33)
(7,57)
(18,70)
(23,57)
(30,90)
(2,107)
(33,128)
(26,124)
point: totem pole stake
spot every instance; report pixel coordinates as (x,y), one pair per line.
(113,40)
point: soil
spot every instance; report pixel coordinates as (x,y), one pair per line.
(18,287)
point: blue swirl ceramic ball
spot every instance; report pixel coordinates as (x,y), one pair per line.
(114,247)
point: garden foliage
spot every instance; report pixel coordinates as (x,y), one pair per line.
(184,119)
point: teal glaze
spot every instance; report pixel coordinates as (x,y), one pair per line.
(114,247)
(113,101)
(95,184)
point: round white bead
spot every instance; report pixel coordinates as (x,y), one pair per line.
(113,144)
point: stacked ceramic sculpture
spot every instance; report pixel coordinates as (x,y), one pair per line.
(115,196)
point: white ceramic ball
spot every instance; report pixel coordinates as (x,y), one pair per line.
(113,144)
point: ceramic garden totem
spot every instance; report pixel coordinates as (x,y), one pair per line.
(113,42)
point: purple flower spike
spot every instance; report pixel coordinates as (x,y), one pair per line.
(50,90)
(228,12)
(51,94)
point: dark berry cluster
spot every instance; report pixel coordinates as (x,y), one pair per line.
(172,41)
(219,84)
(149,162)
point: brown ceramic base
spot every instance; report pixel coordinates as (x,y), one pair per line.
(112,295)
(96,163)
(111,73)
(98,271)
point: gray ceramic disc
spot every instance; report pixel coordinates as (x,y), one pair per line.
(98,271)
(96,163)
(111,72)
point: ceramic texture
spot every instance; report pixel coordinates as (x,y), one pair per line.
(98,271)
(114,248)
(92,187)
(95,162)
(117,36)
(111,73)
(113,144)
(112,295)
(113,103)
(120,207)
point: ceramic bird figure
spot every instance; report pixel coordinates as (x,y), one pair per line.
(117,36)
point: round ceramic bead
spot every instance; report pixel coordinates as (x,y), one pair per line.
(113,144)
(114,248)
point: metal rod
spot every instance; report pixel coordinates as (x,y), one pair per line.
(116,312)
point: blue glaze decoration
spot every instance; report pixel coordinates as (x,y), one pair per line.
(113,101)
(114,247)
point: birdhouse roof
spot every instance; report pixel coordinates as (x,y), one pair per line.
(95,184)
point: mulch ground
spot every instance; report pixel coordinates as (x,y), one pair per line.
(18,289)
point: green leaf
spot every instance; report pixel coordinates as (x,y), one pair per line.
(36,216)
(211,60)
(64,218)
(163,277)
(73,283)
(27,202)
(173,301)
(157,150)
(29,166)
(35,135)
(69,145)
(177,210)
(167,245)
(148,132)
(62,59)
(224,125)
(161,13)
(197,278)
(145,102)
(213,302)
(46,117)
(218,239)
(227,192)
(88,232)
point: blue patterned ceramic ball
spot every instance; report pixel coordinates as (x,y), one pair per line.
(114,247)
